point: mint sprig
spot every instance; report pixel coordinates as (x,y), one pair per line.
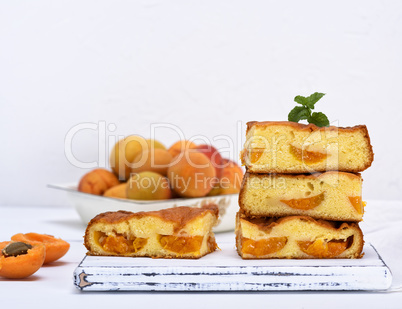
(304,112)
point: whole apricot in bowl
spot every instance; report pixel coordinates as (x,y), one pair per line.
(97,181)
(125,151)
(193,175)
(148,186)
(152,160)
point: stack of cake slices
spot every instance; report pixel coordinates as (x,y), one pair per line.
(301,195)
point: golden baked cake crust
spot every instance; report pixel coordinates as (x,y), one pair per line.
(297,237)
(289,147)
(180,232)
(330,195)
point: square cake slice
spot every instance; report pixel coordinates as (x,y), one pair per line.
(289,147)
(297,237)
(180,232)
(330,196)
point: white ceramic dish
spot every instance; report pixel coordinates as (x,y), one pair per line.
(89,205)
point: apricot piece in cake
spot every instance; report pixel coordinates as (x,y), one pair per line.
(357,203)
(322,248)
(305,203)
(181,244)
(308,157)
(119,244)
(263,247)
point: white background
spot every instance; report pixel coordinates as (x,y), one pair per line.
(206,67)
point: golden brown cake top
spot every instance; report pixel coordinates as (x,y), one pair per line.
(179,215)
(300,126)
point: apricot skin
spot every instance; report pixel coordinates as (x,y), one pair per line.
(180,146)
(118,191)
(213,154)
(21,266)
(97,181)
(148,186)
(154,160)
(55,247)
(230,180)
(192,175)
(125,151)
(153,143)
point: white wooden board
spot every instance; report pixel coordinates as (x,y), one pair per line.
(224,270)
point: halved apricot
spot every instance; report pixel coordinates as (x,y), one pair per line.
(55,247)
(263,246)
(321,248)
(22,264)
(308,157)
(181,244)
(305,203)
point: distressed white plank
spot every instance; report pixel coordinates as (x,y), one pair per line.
(225,271)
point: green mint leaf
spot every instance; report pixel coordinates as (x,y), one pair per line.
(301,100)
(319,119)
(299,113)
(314,98)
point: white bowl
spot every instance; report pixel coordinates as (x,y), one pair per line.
(89,205)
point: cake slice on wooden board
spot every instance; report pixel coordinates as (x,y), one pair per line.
(297,237)
(330,195)
(289,147)
(180,232)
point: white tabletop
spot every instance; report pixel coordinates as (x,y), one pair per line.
(52,286)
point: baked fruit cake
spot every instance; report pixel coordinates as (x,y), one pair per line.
(180,232)
(297,237)
(290,147)
(330,196)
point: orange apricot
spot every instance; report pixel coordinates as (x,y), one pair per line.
(263,247)
(21,265)
(118,191)
(192,175)
(230,180)
(153,143)
(125,151)
(97,181)
(148,186)
(305,203)
(308,157)
(55,247)
(357,203)
(152,160)
(181,244)
(324,249)
(180,146)
(213,154)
